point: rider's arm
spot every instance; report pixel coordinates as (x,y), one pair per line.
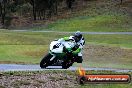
(66,38)
(77,51)
(63,39)
(82,42)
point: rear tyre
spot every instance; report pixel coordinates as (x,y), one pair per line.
(45,62)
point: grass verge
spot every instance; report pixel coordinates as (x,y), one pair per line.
(100,23)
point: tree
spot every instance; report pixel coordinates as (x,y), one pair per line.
(0,9)
(3,10)
(121,1)
(32,2)
(69,3)
(41,7)
(6,8)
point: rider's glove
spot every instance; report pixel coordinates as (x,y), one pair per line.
(76,51)
(67,50)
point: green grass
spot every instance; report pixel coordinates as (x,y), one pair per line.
(123,41)
(26,38)
(100,23)
(29,54)
(39,38)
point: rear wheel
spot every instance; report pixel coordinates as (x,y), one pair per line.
(45,62)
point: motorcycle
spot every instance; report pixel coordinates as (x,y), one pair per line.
(60,54)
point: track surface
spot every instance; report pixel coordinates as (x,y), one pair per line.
(16,67)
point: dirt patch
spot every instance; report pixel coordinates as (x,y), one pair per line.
(107,54)
(10,62)
(34,53)
(38,80)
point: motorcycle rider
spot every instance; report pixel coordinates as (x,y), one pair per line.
(65,51)
(79,44)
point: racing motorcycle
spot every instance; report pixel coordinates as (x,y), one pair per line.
(60,54)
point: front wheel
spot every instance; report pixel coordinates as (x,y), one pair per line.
(45,62)
(67,64)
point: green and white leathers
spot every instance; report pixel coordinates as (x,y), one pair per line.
(71,43)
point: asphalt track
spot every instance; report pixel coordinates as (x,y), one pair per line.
(16,67)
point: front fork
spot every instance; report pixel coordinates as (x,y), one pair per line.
(52,58)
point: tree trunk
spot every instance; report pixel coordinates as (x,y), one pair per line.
(3,13)
(34,10)
(121,1)
(56,8)
(0,10)
(69,3)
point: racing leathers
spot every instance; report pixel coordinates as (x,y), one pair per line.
(78,47)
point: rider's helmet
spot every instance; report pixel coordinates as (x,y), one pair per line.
(77,36)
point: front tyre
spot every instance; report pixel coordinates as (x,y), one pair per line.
(45,62)
(67,64)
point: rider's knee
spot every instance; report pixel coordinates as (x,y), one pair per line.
(79,59)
